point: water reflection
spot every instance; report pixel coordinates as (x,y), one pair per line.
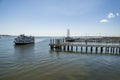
(24,48)
(24,52)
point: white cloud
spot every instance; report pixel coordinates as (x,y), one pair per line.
(103,20)
(111,15)
(117,14)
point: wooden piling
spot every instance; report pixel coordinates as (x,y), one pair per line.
(81,49)
(116,50)
(68,48)
(86,49)
(76,48)
(119,50)
(91,49)
(96,49)
(101,50)
(111,50)
(71,48)
(64,48)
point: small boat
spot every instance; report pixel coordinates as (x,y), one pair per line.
(22,39)
(69,39)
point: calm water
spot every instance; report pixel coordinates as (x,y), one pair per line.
(37,62)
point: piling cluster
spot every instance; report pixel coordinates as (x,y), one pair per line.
(84,47)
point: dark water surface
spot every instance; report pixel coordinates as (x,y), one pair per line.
(37,62)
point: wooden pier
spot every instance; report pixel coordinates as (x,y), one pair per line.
(85,47)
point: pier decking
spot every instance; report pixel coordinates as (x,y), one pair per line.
(92,46)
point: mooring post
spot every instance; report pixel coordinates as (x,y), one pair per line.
(81,48)
(71,48)
(86,49)
(64,48)
(51,47)
(113,50)
(96,49)
(116,50)
(101,50)
(76,48)
(108,49)
(68,47)
(119,50)
(91,49)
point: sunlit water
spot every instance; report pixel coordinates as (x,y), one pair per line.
(37,62)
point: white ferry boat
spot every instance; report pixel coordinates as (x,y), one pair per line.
(22,39)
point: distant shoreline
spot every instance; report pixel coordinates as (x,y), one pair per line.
(5,35)
(71,36)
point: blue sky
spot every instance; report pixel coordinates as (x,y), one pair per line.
(54,17)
